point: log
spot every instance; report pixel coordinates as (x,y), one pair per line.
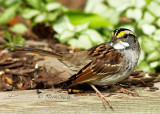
(55,101)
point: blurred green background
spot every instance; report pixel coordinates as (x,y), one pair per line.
(89,25)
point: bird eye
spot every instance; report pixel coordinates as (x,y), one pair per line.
(125,36)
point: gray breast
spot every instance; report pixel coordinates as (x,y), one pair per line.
(131,57)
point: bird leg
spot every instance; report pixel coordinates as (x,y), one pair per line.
(104,100)
(123,90)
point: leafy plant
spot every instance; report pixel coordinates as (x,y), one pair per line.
(15,41)
(8,14)
(78,17)
(43,11)
(80,36)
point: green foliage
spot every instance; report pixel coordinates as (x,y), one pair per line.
(19,28)
(35,10)
(78,17)
(42,11)
(80,36)
(15,41)
(8,14)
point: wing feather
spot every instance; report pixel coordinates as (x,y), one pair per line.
(106,61)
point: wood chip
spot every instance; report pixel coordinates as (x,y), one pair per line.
(20,72)
(4,86)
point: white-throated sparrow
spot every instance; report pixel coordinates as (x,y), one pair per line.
(104,64)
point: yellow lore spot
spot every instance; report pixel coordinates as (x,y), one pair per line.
(121,34)
(112,33)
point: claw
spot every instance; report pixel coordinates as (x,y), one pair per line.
(105,101)
(123,90)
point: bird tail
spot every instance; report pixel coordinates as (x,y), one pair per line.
(34,50)
(65,84)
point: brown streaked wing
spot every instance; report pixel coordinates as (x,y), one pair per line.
(105,61)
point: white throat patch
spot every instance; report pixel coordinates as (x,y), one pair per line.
(120,45)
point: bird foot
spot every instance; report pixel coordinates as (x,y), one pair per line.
(125,91)
(104,100)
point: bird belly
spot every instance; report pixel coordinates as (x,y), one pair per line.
(107,80)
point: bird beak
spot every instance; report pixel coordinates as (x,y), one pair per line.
(115,39)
